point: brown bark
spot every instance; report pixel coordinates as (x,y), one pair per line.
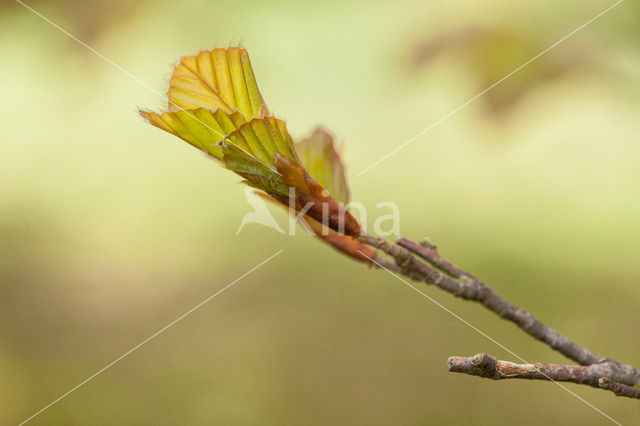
(597,375)
(594,370)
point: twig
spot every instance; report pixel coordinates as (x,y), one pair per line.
(429,252)
(443,274)
(487,366)
(618,388)
(479,292)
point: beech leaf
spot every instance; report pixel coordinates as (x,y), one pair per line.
(320,157)
(263,138)
(199,127)
(218,78)
(256,173)
(251,149)
(216,106)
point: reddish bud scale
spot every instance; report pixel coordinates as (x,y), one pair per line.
(331,214)
(351,247)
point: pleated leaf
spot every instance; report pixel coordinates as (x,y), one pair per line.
(218,78)
(256,173)
(200,127)
(322,161)
(216,106)
(263,138)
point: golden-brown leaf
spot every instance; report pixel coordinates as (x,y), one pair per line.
(218,78)
(322,160)
(200,127)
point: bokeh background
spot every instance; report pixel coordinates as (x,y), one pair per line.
(110,228)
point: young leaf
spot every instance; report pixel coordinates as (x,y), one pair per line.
(218,78)
(216,106)
(200,127)
(319,156)
(264,138)
(211,95)
(256,173)
(250,151)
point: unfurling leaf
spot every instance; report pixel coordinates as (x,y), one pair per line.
(256,173)
(202,128)
(264,138)
(218,78)
(210,95)
(216,106)
(251,150)
(322,160)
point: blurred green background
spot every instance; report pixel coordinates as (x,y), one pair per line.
(110,228)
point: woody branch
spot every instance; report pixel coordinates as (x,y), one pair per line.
(596,375)
(603,372)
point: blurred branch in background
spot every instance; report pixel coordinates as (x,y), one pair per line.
(601,372)
(489,53)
